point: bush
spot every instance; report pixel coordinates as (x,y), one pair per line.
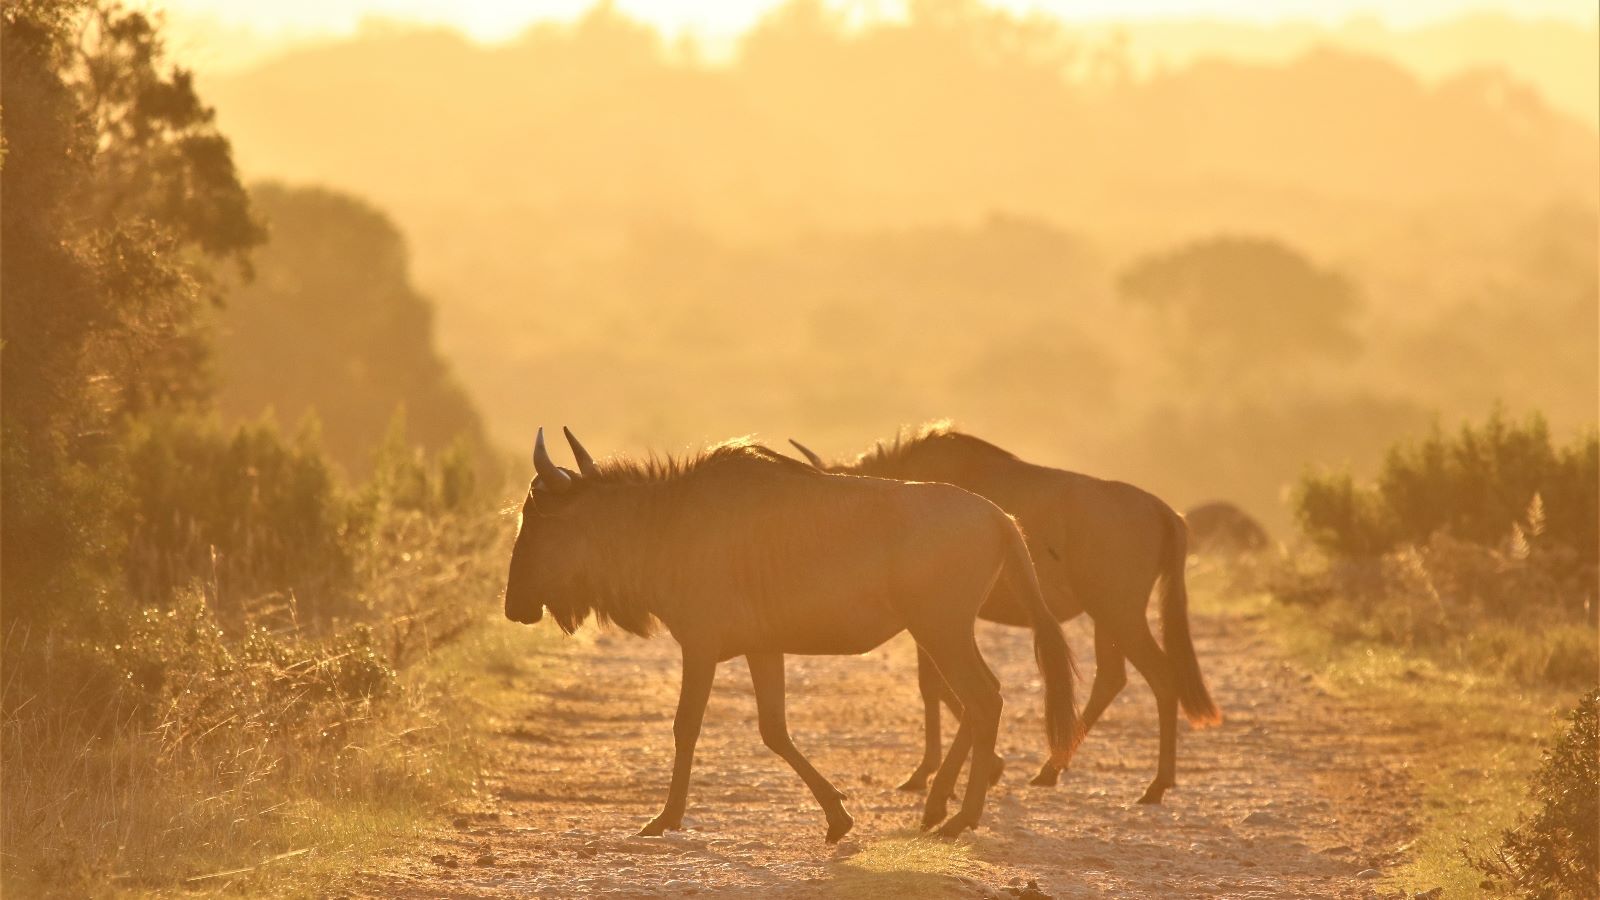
(246,664)
(1476,486)
(1341,517)
(213,748)
(246,512)
(1555,852)
(1512,610)
(404,477)
(150,743)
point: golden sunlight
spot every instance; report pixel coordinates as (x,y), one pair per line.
(495,20)
(1170,443)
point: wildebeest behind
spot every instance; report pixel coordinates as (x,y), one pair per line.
(1100,546)
(1221,527)
(743,552)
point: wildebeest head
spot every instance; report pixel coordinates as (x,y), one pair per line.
(546,572)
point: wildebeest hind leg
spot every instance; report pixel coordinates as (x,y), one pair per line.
(1148,657)
(766,676)
(699,669)
(931,685)
(1110,675)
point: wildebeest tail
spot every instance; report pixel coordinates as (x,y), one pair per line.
(1050,651)
(1193,696)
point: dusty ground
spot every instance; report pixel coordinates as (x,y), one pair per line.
(1294,795)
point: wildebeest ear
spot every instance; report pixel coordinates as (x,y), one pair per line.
(814,459)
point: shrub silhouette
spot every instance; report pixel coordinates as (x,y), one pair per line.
(1553,852)
(1477,485)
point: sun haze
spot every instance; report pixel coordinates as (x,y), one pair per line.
(1247,353)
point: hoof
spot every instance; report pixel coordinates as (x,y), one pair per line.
(933,815)
(1152,795)
(955,826)
(1047,777)
(838,828)
(916,782)
(660,825)
(997,766)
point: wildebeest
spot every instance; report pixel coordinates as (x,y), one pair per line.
(740,551)
(1221,527)
(1099,546)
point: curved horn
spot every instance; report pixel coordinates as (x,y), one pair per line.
(585,461)
(546,469)
(815,459)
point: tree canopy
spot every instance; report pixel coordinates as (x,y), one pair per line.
(333,323)
(1233,304)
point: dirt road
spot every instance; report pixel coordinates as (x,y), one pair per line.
(1296,794)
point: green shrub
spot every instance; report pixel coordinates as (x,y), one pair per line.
(1555,852)
(404,477)
(1475,486)
(245,512)
(211,743)
(1341,517)
(1521,613)
(59,549)
(163,741)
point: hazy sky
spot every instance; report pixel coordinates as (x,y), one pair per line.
(499,19)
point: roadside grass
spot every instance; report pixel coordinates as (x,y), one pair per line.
(905,864)
(459,687)
(255,813)
(1483,731)
(274,761)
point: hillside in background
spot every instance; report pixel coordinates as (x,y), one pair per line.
(946,117)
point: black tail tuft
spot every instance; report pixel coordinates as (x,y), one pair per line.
(1050,651)
(1193,696)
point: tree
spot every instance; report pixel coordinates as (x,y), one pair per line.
(333,323)
(99,299)
(1230,305)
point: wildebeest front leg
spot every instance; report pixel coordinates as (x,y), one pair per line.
(933,687)
(699,669)
(931,684)
(766,676)
(964,670)
(937,806)
(971,677)
(1148,657)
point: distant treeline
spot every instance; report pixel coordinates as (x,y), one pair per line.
(1201,278)
(957,110)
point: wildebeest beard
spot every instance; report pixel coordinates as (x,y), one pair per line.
(595,590)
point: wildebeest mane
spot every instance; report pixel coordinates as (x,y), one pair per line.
(669,468)
(886,456)
(691,525)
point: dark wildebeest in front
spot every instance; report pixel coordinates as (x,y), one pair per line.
(1221,527)
(741,551)
(1099,546)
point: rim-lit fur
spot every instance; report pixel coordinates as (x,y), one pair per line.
(741,551)
(633,546)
